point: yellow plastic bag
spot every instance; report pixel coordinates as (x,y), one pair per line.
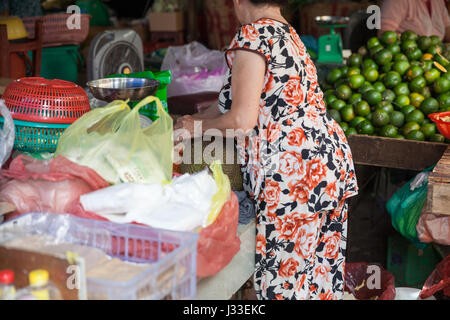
(223,193)
(110,140)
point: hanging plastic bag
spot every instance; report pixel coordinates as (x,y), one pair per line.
(110,140)
(194,69)
(406,205)
(438,280)
(7,133)
(369,284)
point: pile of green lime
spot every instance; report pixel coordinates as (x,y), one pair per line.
(390,86)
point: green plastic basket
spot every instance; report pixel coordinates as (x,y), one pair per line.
(36,137)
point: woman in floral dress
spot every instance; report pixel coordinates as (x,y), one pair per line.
(297,165)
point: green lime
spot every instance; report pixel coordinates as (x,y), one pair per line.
(380,118)
(428,129)
(429,105)
(343,92)
(439,58)
(397,118)
(410,126)
(362,108)
(362,51)
(407,45)
(383,56)
(387,67)
(427,65)
(426,92)
(407,109)
(389,131)
(392,79)
(344,126)
(401,67)
(369,64)
(335,115)
(388,95)
(418,84)
(408,35)
(444,100)
(353,71)
(416,116)
(372,97)
(370,74)
(394,48)
(388,37)
(334,76)
(401,89)
(437,138)
(401,101)
(435,40)
(356,81)
(433,49)
(351,131)
(379,86)
(441,85)
(365,87)
(355,98)
(357,120)
(416,99)
(354,60)
(348,113)
(372,42)
(338,104)
(432,75)
(400,57)
(424,43)
(414,72)
(414,53)
(415,135)
(399,136)
(365,127)
(385,105)
(344,70)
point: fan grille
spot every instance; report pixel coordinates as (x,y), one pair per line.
(118,57)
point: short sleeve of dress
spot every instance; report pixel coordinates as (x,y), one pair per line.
(250,37)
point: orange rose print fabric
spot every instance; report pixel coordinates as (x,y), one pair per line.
(298,169)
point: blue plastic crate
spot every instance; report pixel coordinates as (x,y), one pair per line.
(172,254)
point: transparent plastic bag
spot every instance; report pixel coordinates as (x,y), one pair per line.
(223,193)
(7,133)
(194,69)
(110,140)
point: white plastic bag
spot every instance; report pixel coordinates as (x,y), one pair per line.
(194,69)
(7,133)
(183,205)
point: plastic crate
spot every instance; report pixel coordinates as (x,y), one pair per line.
(409,265)
(169,252)
(36,137)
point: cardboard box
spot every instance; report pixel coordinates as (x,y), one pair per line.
(166,21)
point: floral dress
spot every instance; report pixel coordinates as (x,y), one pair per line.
(297,167)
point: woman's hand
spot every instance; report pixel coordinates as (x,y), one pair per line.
(187,124)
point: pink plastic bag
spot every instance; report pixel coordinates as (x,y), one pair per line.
(357,273)
(434,228)
(53,186)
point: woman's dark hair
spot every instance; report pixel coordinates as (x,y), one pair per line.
(280,3)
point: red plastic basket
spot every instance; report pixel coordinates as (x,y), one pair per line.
(443,126)
(46,101)
(56,31)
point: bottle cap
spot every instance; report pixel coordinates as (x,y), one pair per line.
(38,277)
(6,277)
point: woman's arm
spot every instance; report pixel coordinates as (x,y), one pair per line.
(247,83)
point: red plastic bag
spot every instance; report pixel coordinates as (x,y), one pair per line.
(53,186)
(438,280)
(358,277)
(218,243)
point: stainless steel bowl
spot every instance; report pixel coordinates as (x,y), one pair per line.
(110,89)
(331,20)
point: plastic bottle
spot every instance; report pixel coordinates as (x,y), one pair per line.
(7,290)
(40,286)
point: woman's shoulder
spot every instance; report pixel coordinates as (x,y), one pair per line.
(264,27)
